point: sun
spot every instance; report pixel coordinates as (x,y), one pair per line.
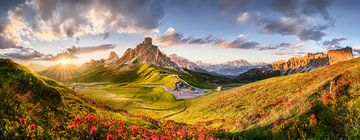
(63,62)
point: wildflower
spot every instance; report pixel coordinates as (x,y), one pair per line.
(109,136)
(93,130)
(32,126)
(312,120)
(201,136)
(77,119)
(164,138)
(146,132)
(17,95)
(134,130)
(120,131)
(210,138)
(23,120)
(120,123)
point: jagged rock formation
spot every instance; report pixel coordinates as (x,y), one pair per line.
(147,53)
(340,55)
(301,64)
(298,65)
(113,57)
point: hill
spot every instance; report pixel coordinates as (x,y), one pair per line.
(34,107)
(321,104)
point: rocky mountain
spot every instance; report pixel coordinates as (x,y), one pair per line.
(231,68)
(147,53)
(183,62)
(113,57)
(294,65)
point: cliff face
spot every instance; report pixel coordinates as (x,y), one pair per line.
(313,60)
(298,65)
(340,55)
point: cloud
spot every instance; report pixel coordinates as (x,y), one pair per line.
(226,4)
(287,7)
(311,7)
(333,43)
(48,20)
(72,52)
(241,42)
(171,38)
(297,26)
(22,53)
(279,46)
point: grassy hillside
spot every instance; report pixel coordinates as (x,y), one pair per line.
(33,107)
(321,104)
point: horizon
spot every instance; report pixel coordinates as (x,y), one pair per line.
(219,31)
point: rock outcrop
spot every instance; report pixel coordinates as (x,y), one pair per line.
(113,58)
(340,55)
(301,64)
(147,53)
(294,65)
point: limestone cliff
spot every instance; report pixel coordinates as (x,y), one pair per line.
(340,55)
(306,63)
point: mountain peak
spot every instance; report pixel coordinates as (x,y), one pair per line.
(147,53)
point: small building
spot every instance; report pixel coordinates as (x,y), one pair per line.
(219,88)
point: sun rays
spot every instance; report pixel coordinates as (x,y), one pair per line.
(63,71)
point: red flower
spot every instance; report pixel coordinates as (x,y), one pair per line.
(120,131)
(211,138)
(17,95)
(92,130)
(109,136)
(201,136)
(32,126)
(23,120)
(134,130)
(146,132)
(164,138)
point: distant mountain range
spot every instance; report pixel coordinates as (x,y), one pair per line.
(230,68)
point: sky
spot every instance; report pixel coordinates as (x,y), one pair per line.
(212,31)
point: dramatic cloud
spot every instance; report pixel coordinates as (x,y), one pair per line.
(22,53)
(241,42)
(55,19)
(72,52)
(226,4)
(294,19)
(333,43)
(317,6)
(171,38)
(284,26)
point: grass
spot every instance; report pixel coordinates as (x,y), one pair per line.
(135,98)
(34,107)
(261,103)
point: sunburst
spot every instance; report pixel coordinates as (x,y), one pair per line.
(63,71)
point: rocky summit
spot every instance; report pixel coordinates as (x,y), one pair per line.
(147,53)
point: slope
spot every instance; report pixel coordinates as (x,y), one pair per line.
(33,107)
(329,95)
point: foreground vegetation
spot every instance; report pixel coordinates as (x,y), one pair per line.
(35,107)
(321,104)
